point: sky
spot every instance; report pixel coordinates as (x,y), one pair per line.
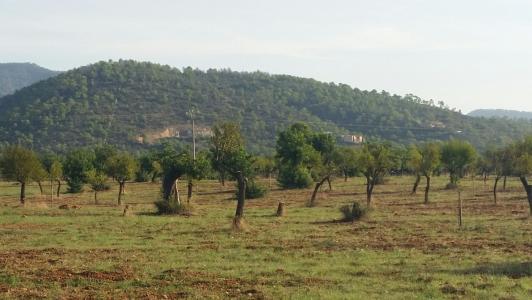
(469,53)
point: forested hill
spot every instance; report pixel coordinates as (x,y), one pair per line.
(501,113)
(14,76)
(117,102)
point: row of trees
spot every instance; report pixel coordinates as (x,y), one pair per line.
(303,158)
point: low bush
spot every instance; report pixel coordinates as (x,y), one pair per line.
(255,190)
(352,212)
(172,207)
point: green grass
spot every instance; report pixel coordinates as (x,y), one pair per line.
(401,250)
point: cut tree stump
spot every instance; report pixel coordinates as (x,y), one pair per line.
(280,209)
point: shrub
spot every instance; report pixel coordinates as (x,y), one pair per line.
(75,186)
(172,207)
(255,190)
(352,212)
(142,176)
(295,177)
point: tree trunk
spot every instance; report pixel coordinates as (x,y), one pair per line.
(120,191)
(40,187)
(222,178)
(22,193)
(370,184)
(190,185)
(497,178)
(312,202)
(241,196)
(329,182)
(427,190)
(416,184)
(345,176)
(528,189)
(58,188)
(175,191)
(51,192)
(95,197)
(504,184)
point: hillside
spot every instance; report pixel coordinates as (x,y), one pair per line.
(501,113)
(123,102)
(14,76)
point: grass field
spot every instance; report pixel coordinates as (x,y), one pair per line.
(402,250)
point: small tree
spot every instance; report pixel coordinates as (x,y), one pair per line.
(265,166)
(196,170)
(122,167)
(457,156)
(233,161)
(327,163)
(149,168)
(296,156)
(347,161)
(226,139)
(499,162)
(54,169)
(375,161)
(98,183)
(430,162)
(21,165)
(414,163)
(522,165)
(77,164)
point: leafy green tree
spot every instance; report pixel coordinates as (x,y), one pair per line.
(122,167)
(20,164)
(149,168)
(265,166)
(226,139)
(499,162)
(326,165)
(77,164)
(102,153)
(430,154)
(457,156)
(296,156)
(414,164)
(375,161)
(232,159)
(54,168)
(347,159)
(522,165)
(98,182)
(196,169)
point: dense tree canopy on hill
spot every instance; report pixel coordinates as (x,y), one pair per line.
(116,102)
(501,113)
(14,76)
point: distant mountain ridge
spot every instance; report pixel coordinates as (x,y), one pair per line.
(501,113)
(126,103)
(14,76)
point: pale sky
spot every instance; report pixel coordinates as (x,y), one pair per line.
(469,53)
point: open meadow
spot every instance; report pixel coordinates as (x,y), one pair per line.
(403,249)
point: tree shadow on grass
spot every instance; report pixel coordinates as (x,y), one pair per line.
(511,269)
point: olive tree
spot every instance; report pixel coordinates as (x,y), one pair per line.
(375,161)
(499,162)
(232,159)
(522,166)
(296,156)
(457,156)
(122,167)
(430,154)
(22,165)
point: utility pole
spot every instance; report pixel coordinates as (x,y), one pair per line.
(191,114)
